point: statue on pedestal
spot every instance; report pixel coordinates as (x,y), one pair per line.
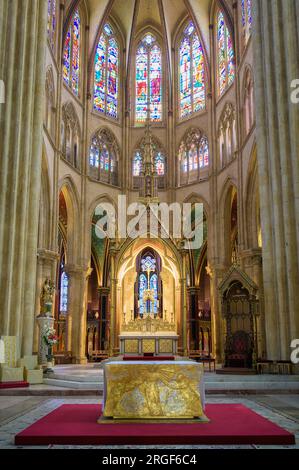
(45,319)
(46,298)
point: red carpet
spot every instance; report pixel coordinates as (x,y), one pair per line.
(148,358)
(229,424)
(20,384)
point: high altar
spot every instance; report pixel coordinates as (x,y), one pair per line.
(149,331)
(148,334)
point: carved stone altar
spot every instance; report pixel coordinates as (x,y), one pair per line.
(153,390)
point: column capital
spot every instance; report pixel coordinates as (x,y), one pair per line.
(104,290)
(251,253)
(77,270)
(193,290)
(43,254)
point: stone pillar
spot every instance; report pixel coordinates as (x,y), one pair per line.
(276,65)
(192,318)
(183,282)
(23,27)
(216,273)
(77,311)
(113,339)
(103,312)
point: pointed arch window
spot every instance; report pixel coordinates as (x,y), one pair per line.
(148,87)
(225,55)
(248,103)
(64,292)
(71,54)
(160,164)
(193,156)
(137,164)
(192,89)
(103,157)
(148,267)
(227,139)
(51,26)
(106,74)
(246,19)
(70,135)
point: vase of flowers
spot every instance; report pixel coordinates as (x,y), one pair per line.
(50,339)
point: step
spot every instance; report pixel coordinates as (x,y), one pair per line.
(252,386)
(75,385)
(211,377)
(73,377)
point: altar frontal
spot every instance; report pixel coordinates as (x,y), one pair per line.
(153,390)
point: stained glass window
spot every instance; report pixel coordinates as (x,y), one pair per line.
(246,19)
(51,28)
(142,288)
(106,74)
(148,80)
(94,154)
(192,93)
(137,164)
(71,54)
(225,55)
(64,292)
(148,263)
(100,156)
(160,164)
(103,157)
(159,159)
(148,266)
(203,152)
(194,153)
(154,287)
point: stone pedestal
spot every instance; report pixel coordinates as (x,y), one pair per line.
(43,323)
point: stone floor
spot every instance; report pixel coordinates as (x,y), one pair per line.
(17,413)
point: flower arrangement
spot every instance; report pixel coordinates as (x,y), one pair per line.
(50,337)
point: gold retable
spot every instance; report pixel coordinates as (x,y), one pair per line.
(153,390)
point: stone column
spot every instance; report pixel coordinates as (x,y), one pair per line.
(192,318)
(276,65)
(103,311)
(77,311)
(23,27)
(216,271)
(113,339)
(183,282)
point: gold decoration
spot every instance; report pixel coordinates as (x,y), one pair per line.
(153,391)
(131,346)
(148,324)
(148,345)
(165,345)
(47,296)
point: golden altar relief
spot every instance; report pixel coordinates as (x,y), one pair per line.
(153,390)
(148,324)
